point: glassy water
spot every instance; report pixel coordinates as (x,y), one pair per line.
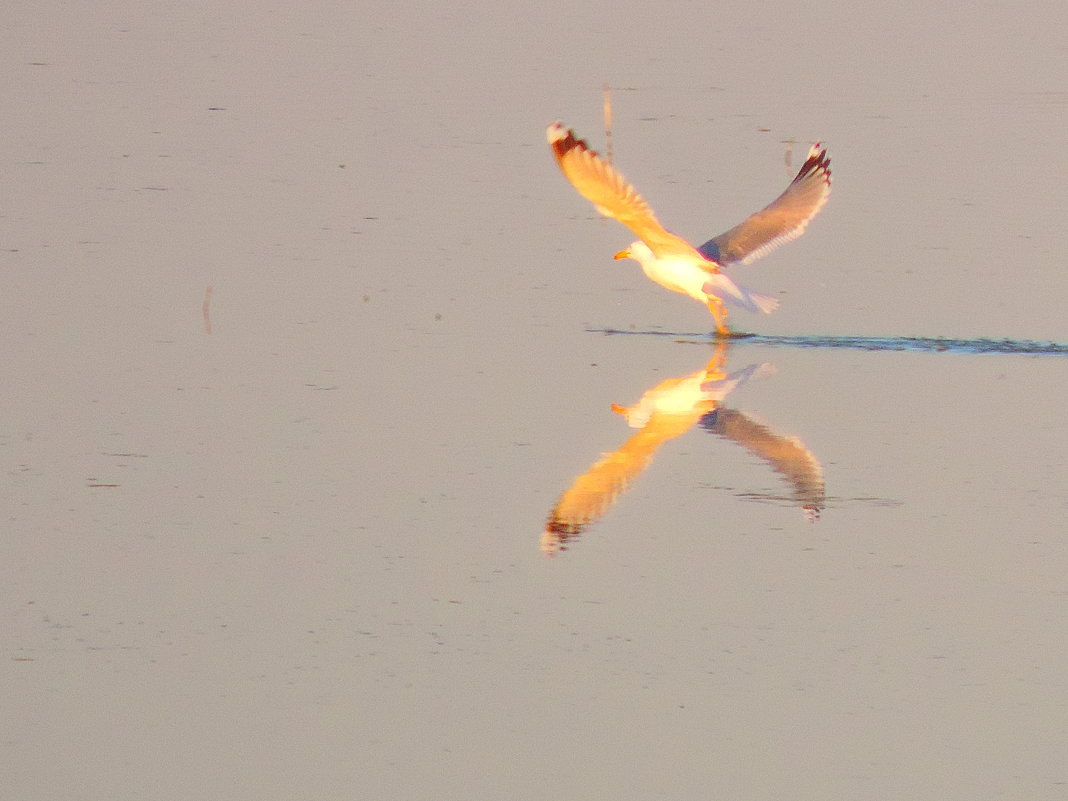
(305,337)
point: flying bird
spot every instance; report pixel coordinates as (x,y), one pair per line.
(665,411)
(673,262)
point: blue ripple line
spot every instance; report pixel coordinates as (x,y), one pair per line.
(920,344)
(916,344)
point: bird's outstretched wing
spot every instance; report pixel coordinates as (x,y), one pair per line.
(598,182)
(786,455)
(782,220)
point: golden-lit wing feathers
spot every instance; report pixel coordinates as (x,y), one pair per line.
(593,493)
(664,412)
(611,193)
(782,220)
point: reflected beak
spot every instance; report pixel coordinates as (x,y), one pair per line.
(623,254)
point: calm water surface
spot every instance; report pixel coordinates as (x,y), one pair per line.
(305,380)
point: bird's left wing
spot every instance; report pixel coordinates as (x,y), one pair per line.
(784,219)
(612,195)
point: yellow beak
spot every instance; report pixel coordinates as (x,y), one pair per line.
(623,254)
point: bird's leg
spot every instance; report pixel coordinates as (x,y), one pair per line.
(719,312)
(714,368)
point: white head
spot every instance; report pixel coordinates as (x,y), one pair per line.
(639,251)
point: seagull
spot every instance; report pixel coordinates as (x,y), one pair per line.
(673,262)
(665,411)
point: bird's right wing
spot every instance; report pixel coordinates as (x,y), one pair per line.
(786,455)
(612,195)
(784,219)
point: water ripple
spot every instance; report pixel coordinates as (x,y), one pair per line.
(915,344)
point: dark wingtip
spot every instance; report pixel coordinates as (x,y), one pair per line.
(817,161)
(563,140)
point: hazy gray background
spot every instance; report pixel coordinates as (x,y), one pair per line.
(297,557)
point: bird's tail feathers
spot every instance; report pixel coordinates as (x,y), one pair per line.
(726,290)
(721,387)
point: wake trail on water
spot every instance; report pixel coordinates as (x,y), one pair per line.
(915,344)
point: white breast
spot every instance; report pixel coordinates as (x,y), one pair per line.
(677,273)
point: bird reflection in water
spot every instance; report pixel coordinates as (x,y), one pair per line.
(664,412)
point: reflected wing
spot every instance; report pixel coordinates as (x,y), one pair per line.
(590,496)
(781,221)
(593,493)
(787,456)
(597,181)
